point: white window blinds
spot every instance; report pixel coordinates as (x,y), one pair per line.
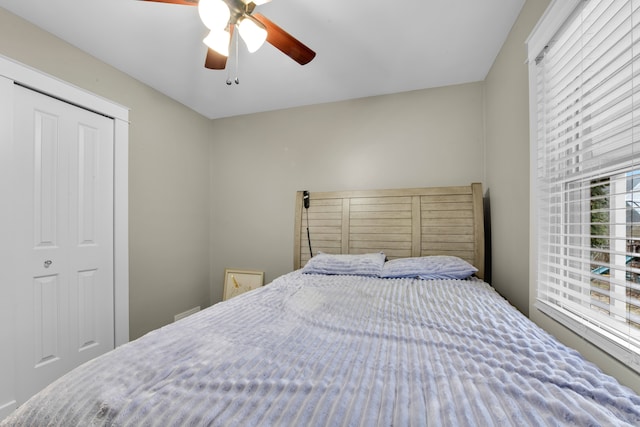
(587,174)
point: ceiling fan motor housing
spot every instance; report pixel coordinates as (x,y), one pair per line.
(239,10)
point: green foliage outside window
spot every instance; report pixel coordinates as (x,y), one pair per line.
(600,220)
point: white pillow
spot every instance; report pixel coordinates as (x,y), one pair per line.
(359,265)
(429,267)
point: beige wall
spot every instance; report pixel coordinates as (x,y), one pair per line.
(507,143)
(168,176)
(414,139)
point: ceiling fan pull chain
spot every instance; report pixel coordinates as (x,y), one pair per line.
(236,60)
(237,80)
(228,82)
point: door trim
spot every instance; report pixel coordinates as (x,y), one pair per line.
(49,85)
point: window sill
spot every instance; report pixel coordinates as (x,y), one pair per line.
(598,337)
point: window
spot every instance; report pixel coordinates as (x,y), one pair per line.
(585,110)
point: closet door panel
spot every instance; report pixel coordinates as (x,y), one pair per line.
(47,324)
(46,154)
(91,234)
(64,193)
(40,240)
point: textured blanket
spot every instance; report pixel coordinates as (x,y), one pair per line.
(312,350)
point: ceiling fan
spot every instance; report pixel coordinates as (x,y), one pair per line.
(222,16)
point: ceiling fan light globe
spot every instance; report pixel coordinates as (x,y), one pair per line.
(218,40)
(253,33)
(215,14)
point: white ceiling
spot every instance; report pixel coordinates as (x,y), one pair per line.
(363,48)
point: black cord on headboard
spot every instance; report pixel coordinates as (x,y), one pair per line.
(305,199)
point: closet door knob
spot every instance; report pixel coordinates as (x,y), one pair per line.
(48,263)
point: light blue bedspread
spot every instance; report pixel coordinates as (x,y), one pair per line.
(312,350)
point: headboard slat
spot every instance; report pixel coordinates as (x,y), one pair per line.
(401,223)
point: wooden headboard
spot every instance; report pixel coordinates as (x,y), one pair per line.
(401,223)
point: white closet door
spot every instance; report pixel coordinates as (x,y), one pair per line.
(64,285)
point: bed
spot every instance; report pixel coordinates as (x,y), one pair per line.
(352,336)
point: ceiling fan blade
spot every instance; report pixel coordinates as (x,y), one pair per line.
(184,2)
(215,60)
(285,42)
